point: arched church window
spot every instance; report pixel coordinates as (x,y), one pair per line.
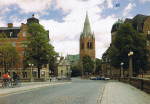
(88,46)
(91,46)
(82,45)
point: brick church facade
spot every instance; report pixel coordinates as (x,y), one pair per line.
(87,41)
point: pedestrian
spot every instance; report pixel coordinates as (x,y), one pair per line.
(50,79)
(15,77)
(6,77)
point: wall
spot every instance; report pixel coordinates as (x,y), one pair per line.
(143,84)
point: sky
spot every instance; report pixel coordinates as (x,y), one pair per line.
(65,19)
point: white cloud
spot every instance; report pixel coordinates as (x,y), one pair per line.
(5,10)
(28,5)
(143,1)
(110,4)
(65,35)
(2,23)
(128,8)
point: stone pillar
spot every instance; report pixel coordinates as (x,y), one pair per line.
(130,67)
(122,76)
(31,77)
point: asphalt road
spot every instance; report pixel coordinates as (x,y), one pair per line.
(79,92)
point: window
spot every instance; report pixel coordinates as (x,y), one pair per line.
(148,31)
(14,43)
(82,45)
(11,34)
(24,74)
(34,74)
(147,43)
(42,73)
(24,33)
(88,45)
(91,45)
(23,54)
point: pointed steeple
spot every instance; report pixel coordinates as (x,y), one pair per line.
(87,28)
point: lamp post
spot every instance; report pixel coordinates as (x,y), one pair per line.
(31,78)
(122,69)
(130,64)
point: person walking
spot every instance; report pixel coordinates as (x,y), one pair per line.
(15,77)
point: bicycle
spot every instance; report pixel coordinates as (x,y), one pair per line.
(15,85)
(6,82)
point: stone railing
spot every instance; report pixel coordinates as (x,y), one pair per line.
(39,80)
(143,84)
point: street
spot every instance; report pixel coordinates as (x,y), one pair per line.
(79,92)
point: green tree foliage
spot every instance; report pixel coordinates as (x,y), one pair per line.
(37,48)
(126,40)
(75,71)
(52,62)
(88,64)
(98,65)
(8,54)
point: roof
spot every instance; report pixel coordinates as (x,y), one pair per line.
(10,32)
(87,28)
(116,25)
(129,20)
(32,20)
(138,22)
(72,58)
(64,62)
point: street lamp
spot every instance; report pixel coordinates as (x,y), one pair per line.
(130,64)
(122,69)
(31,65)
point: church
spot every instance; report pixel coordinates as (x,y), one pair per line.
(87,40)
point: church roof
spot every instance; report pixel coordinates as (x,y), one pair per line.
(87,28)
(72,58)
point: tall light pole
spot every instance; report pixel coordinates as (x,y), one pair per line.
(122,69)
(31,78)
(130,64)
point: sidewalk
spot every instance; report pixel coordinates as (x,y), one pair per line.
(121,93)
(29,86)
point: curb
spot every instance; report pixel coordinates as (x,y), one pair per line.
(19,89)
(104,97)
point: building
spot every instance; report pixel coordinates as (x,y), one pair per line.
(87,40)
(64,68)
(16,36)
(73,59)
(141,23)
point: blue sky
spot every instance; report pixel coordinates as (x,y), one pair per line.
(65,18)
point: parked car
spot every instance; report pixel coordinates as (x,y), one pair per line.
(107,78)
(62,78)
(97,78)
(92,78)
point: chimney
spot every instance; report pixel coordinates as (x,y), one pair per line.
(10,25)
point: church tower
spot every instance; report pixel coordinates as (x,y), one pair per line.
(87,40)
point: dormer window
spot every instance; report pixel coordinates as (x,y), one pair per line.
(11,34)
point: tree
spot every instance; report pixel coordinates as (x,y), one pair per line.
(127,39)
(37,48)
(9,56)
(98,65)
(75,71)
(88,64)
(52,62)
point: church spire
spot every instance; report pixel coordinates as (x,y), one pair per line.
(87,28)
